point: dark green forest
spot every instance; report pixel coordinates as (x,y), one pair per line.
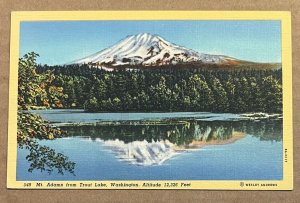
(169,89)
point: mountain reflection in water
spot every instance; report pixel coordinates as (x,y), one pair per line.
(145,144)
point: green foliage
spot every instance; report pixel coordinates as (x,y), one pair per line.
(38,90)
(220,97)
(31,126)
(272,92)
(170,89)
(201,94)
(161,95)
(91,104)
(44,158)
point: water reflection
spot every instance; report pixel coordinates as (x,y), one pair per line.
(182,133)
(146,144)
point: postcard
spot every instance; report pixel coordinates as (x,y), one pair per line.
(150,100)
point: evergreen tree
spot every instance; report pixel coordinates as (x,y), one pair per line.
(91,105)
(220,97)
(272,92)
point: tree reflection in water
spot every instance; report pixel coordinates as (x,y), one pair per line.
(182,133)
(153,142)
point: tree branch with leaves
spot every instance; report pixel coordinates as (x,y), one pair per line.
(38,90)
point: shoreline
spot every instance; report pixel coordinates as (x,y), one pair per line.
(77,117)
(163,121)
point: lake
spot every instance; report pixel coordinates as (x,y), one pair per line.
(162,146)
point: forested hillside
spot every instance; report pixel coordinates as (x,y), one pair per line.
(196,89)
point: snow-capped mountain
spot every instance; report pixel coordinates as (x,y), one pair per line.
(149,50)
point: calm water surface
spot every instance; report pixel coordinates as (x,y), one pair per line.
(163,146)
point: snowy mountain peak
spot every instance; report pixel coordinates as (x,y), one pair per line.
(148,50)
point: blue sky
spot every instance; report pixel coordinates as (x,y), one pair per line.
(60,42)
